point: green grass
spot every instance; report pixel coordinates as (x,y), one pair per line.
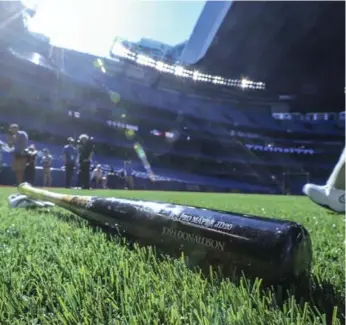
(55,271)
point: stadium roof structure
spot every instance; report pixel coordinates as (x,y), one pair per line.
(294,47)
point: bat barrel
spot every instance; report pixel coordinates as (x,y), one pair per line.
(271,249)
(261,247)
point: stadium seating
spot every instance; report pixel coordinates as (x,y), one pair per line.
(215,131)
(238,151)
(81,68)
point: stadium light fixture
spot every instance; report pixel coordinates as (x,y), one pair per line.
(142,60)
(179,71)
(36,58)
(195,75)
(145,60)
(219,80)
(261,85)
(121,50)
(244,83)
(160,66)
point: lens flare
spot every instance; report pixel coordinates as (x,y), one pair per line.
(172,136)
(98,63)
(143,157)
(114,96)
(130,134)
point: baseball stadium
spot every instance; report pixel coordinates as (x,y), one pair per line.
(189,176)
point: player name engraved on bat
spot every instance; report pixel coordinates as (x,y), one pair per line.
(192,238)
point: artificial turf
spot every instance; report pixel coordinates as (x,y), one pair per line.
(55,269)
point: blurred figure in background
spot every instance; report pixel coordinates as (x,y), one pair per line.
(96,177)
(47,168)
(1,163)
(128,175)
(111,178)
(70,161)
(18,140)
(1,145)
(86,150)
(332,194)
(105,181)
(30,170)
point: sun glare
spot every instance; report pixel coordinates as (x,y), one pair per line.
(31,4)
(81,25)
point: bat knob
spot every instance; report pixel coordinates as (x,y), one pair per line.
(24,185)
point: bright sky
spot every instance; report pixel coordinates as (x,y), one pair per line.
(91,25)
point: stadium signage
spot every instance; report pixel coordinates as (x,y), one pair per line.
(193,238)
(235,133)
(257,147)
(121,125)
(328,116)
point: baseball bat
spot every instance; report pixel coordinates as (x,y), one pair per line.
(271,249)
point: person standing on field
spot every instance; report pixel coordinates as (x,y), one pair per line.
(86,151)
(30,170)
(18,140)
(47,165)
(70,160)
(128,175)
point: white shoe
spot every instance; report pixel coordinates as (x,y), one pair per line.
(330,198)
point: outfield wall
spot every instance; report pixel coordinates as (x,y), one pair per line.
(7,178)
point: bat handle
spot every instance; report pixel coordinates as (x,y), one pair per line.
(39,194)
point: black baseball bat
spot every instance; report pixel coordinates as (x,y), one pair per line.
(271,249)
